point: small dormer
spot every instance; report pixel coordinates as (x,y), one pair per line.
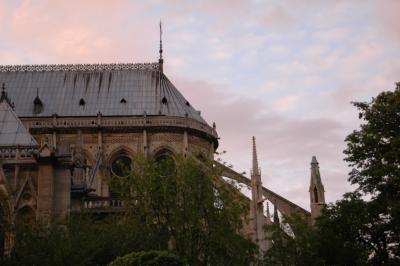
(37,104)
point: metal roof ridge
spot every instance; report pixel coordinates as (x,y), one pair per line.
(79,67)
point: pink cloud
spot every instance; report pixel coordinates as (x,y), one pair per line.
(286,103)
(387,14)
(78,31)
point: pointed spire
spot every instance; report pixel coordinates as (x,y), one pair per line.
(317,191)
(161,50)
(314,160)
(315,175)
(161,60)
(255,169)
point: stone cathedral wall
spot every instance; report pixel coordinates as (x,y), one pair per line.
(54,194)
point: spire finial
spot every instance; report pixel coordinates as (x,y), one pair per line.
(256,169)
(161,50)
(161,60)
(314,160)
(315,175)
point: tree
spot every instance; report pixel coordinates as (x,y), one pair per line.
(189,208)
(373,152)
(293,243)
(82,240)
(148,258)
(338,232)
(363,227)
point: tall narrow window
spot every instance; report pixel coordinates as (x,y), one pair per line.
(315,194)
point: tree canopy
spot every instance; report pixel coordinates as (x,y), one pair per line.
(363,227)
(192,211)
(373,152)
(171,204)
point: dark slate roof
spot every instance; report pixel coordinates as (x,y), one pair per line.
(86,90)
(12,131)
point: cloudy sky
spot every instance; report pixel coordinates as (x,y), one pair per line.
(283,71)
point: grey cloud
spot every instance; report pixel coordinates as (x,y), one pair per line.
(285,145)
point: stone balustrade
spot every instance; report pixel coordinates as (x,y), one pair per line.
(103,204)
(17,152)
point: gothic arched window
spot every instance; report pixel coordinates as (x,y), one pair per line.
(165,163)
(121,166)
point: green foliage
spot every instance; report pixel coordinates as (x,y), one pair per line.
(373,152)
(180,207)
(149,258)
(293,243)
(337,232)
(82,241)
(189,210)
(363,227)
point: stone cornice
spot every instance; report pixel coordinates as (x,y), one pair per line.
(115,123)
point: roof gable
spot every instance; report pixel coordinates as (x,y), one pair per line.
(12,131)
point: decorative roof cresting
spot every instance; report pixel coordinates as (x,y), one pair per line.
(79,67)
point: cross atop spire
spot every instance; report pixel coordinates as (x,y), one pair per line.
(255,169)
(161,60)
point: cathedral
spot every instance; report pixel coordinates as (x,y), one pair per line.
(66,129)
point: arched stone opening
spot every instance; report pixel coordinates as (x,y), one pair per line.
(166,162)
(83,164)
(120,165)
(25,218)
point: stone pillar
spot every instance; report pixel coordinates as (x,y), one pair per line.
(54,139)
(145,144)
(257,206)
(100,139)
(45,189)
(212,150)
(62,192)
